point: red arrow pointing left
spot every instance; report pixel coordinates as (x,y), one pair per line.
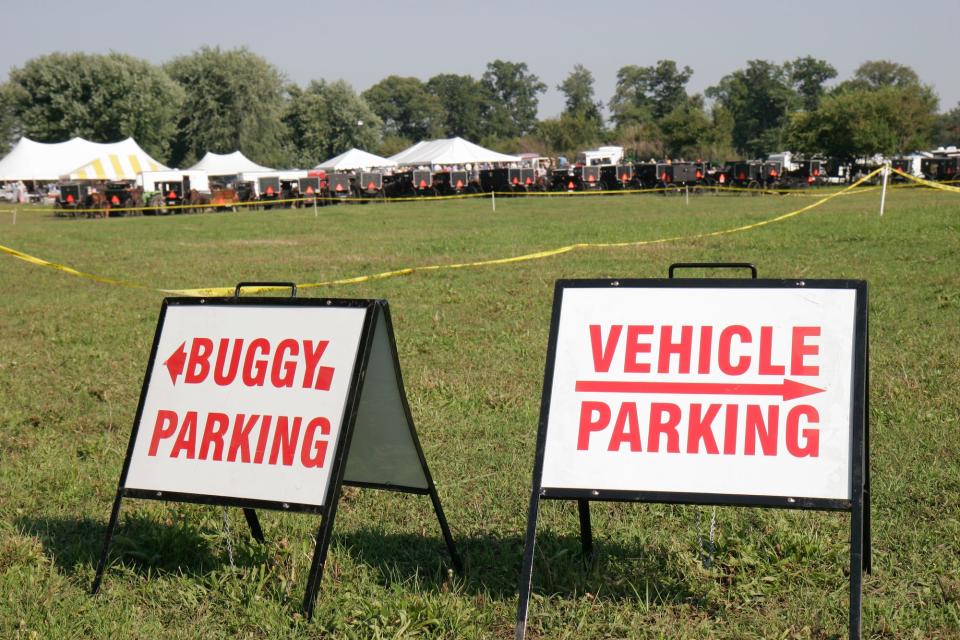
(176,361)
(788,389)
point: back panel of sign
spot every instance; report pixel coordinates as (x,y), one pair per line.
(383,451)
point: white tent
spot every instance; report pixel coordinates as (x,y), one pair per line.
(216,164)
(449,152)
(355,159)
(31,160)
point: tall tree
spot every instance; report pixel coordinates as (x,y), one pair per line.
(234,100)
(8,120)
(876,74)
(406,108)
(717,142)
(861,122)
(577,88)
(884,109)
(464,101)
(646,94)
(760,100)
(513,91)
(948,128)
(104,98)
(326,119)
(685,128)
(808,75)
(569,132)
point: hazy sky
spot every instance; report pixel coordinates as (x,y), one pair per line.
(363,42)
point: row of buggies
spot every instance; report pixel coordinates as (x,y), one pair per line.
(671,176)
(104,199)
(177,194)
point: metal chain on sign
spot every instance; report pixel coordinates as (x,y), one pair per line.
(229,535)
(706,553)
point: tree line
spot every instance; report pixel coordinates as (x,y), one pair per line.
(223,100)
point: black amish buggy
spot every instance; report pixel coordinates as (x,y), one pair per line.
(72,196)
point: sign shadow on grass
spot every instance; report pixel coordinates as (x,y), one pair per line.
(181,546)
(615,570)
(186,546)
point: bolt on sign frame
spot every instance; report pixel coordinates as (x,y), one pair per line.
(373,444)
(556,475)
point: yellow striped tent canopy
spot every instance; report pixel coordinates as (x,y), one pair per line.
(119,164)
(115,167)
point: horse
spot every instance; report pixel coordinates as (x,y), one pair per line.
(198,200)
(97,205)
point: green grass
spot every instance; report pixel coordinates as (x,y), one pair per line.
(472,344)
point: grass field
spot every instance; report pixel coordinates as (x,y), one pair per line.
(472,345)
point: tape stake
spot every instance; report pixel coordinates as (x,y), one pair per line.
(883,194)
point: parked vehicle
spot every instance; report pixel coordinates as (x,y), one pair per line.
(167,191)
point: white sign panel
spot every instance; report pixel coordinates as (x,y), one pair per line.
(742,391)
(246,401)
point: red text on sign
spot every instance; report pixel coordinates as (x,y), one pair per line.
(252,363)
(245,438)
(732,350)
(714,429)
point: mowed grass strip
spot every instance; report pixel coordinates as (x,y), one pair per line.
(472,345)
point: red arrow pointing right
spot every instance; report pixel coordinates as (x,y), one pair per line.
(788,389)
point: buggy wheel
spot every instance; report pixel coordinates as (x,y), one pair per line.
(668,189)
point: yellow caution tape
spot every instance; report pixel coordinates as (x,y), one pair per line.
(927,183)
(538,255)
(65,269)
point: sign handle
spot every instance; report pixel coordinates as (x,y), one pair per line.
(242,285)
(712,265)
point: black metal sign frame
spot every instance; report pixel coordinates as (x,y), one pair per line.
(858,505)
(376,311)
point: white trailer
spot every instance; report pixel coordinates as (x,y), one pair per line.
(601,156)
(153,181)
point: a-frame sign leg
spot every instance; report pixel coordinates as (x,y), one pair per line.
(586,531)
(107,539)
(856,571)
(444,527)
(526,569)
(860,508)
(319,560)
(254,523)
(867,536)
